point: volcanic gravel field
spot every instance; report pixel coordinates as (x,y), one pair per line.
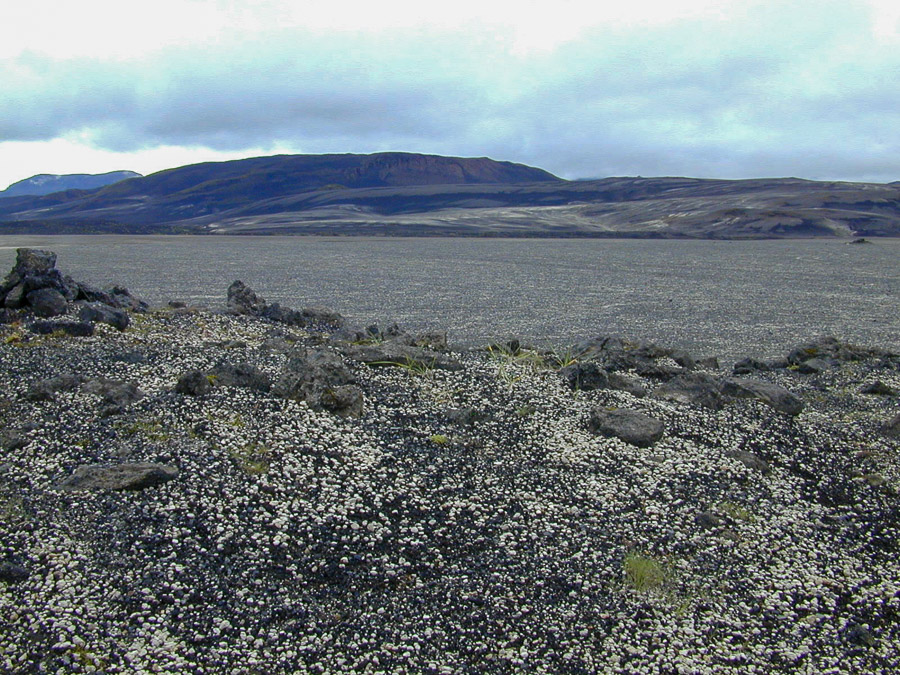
(470,518)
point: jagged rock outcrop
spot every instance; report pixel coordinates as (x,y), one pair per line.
(34,286)
(241,299)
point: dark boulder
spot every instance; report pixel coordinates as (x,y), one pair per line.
(708,520)
(773,395)
(12,573)
(309,365)
(13,439)
(123,299)
(96,311)
(621,382)
(708,363)
(586,376)
(683,359)
(46,390)
(88,293)
(694,388)
(243,300)
(749,365)
(465,417)
(322,317)
(129,476)
(817,365)
(658,371)
(309,369)
(15,298)
(279,314)
(344,401)
(47,302)
(892,429)
(241,375)
(322,379)
(33,262)
(433,339)
(833,350)
(193,383)
(878,388)
(72,328)
(113,393)
(628,425)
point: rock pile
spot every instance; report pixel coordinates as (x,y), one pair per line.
(35,287)
(243,300)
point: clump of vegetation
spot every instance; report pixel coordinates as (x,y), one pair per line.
(252,458)
(511,362)
(12,509)
(412,366)
(151,429)
(562,358)
(84,657)
(643,572)
(439,439)
(736,511)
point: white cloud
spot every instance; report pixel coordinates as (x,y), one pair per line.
(700,88)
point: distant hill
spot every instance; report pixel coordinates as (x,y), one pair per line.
(411,194)
(46,183)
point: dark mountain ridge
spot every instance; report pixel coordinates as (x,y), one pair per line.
(45,183)
(409,194)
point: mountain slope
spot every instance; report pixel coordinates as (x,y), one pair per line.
(409,194)
(45,183)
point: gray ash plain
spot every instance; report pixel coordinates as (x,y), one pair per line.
(714,298)
(466,520)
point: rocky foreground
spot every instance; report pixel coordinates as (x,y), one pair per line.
(269,490)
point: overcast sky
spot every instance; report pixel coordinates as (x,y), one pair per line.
(582,89)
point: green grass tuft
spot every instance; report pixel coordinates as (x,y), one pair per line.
(644,573)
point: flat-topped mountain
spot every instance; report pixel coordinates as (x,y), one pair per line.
(410,194)
(47,183)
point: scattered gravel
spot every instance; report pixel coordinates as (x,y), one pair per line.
(465,520)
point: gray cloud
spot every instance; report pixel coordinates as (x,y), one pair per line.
(783,89)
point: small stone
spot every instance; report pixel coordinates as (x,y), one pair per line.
(860,635)
(708,520)
(750,460)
